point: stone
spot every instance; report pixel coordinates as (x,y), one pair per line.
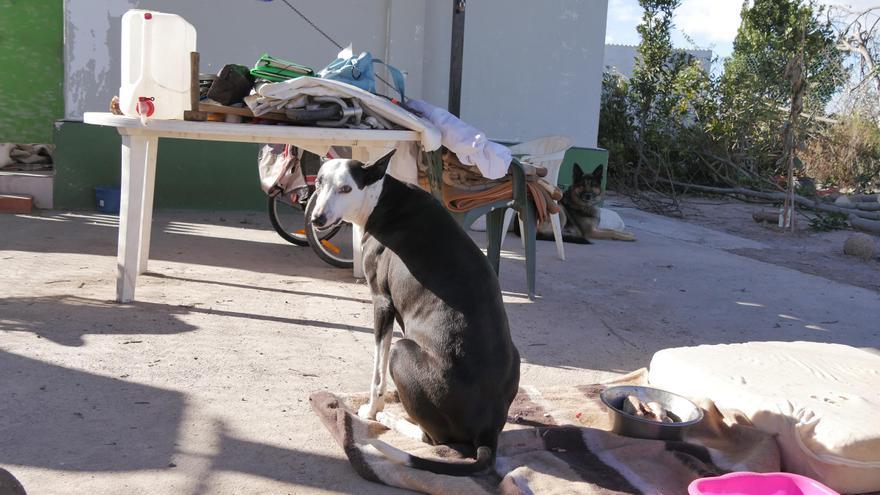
(860,245)
(843,202)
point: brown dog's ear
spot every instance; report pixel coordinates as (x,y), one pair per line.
(376,170)
(576,174)
(597,174)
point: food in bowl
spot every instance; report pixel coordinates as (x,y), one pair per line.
(679,411)
(649,410)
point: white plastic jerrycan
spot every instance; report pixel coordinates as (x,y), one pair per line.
(155,65)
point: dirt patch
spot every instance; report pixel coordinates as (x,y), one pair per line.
(815,253)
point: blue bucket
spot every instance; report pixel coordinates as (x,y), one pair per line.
(107,198)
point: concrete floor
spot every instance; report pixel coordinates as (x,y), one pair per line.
(201,387)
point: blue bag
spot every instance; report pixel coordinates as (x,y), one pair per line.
(358,71)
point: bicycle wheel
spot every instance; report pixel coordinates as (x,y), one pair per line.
(334,246)
(287,219)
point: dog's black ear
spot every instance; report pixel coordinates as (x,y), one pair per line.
(375,171)
(597,174)
(576,174)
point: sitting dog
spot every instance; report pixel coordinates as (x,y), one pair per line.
(580,213)
(456,369)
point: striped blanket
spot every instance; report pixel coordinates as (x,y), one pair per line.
(557,440)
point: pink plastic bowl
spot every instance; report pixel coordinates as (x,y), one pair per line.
(759,484)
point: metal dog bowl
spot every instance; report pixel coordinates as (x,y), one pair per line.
(686,412)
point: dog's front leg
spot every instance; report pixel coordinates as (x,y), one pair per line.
(383,315)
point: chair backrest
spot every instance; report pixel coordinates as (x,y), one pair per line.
(547,152)
(588,159)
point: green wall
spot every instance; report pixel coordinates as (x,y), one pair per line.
(31,60)
(189,175)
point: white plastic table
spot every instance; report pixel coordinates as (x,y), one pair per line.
(140,144)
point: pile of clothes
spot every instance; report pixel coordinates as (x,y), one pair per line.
(238,85)
(18,157)
(343,95)
(465,188)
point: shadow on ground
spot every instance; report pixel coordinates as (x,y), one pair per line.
(67,319)
(64,419)
(248,246)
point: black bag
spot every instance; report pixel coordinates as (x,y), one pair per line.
(232,84)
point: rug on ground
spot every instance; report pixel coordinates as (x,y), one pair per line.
(557,440)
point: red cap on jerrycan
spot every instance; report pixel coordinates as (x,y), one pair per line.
(145,106)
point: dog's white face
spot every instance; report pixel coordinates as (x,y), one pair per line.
(347,190)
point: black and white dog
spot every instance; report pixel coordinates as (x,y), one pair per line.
(456,369)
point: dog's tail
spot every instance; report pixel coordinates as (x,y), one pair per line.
(483,461)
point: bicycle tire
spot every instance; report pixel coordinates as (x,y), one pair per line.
(316,237)
(293,238)
(304,115)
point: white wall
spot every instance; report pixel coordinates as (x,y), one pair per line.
(239,31)
(438,39)
(622,58)
(530,68)
(533,69)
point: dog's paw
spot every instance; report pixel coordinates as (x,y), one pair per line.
(366,411)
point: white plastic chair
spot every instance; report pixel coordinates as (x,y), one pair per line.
(546,152)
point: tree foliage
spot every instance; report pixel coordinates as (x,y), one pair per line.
(652,107)
(769,36)
(675,121)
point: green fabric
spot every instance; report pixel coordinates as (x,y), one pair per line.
(31,51)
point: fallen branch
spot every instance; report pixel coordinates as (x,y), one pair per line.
(779,196)
(864,198)
(867,206)
(864,225)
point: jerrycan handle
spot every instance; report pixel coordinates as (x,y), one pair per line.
(146,42)
(145,106)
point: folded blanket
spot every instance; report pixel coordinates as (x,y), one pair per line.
(26,157)
(557,441)
(458,200)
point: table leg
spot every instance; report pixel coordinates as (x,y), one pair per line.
(357,234)
(135,155)
(147,212)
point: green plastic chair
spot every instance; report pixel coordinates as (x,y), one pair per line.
(588,158)
(494,214)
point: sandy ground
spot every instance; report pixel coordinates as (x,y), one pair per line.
(202,386)
(817,253)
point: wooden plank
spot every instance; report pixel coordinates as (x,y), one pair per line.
(241,111)
(194,93)
(16,203)
(211,108)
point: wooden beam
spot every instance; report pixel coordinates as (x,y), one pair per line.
(456,57)
(194,92)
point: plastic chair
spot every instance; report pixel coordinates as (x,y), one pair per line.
(546,152)
(588,159)
(495,213)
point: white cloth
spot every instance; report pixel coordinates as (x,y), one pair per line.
(272,97)
(610,220)
(821,400)
(468,143)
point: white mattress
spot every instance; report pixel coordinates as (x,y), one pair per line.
(823,401)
